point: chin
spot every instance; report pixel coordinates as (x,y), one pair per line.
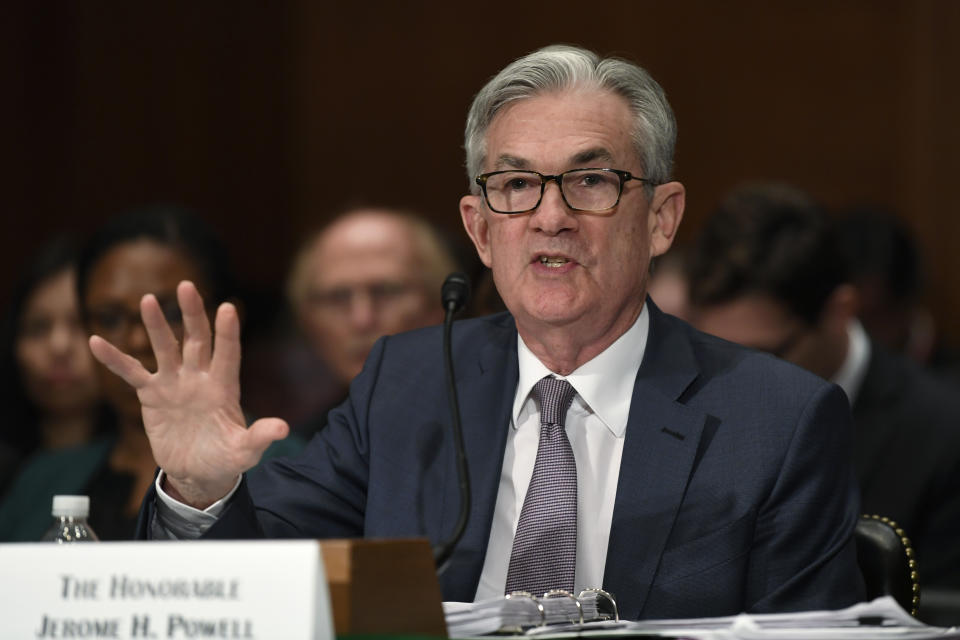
(555,313)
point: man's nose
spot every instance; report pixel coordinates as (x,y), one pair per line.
(363,311)
(553,216)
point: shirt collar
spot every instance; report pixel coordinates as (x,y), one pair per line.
(851,373)
(604,384)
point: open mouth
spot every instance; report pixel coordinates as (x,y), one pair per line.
(553,261)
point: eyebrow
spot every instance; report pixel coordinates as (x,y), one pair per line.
(589,155)
(512,162)
(578,159)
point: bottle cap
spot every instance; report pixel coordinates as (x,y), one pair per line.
(66,506)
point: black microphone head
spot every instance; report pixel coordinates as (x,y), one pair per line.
(455,292)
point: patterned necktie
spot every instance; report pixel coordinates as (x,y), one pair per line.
(544,552)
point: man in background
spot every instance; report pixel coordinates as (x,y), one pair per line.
(370,272)
(768,273)
(885,264)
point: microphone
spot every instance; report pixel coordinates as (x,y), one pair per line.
(455,292)
(454,295)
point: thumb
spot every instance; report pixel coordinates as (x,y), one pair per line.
(264,431)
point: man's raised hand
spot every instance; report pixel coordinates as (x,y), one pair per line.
(191,405)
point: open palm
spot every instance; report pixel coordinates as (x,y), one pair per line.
(191,405)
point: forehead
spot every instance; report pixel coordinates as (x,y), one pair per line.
(54,293)
(132,269)
(562,129)
(365,248)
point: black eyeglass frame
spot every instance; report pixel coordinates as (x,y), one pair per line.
(624,176)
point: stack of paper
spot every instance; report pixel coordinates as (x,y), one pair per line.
(882,618)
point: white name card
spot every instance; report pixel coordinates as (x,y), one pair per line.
(202,589)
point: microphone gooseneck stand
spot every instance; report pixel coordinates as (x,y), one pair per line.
(454,295)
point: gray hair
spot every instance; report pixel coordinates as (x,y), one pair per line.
(561,67)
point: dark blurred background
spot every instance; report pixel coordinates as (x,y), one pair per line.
(269,117)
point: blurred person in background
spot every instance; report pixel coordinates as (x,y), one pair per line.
(51,394)
(150,250)
(668,287)
(767,272)
(370,272)
(885,265)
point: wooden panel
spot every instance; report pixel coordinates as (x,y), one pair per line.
(269,118)
(383,586)
(933,159)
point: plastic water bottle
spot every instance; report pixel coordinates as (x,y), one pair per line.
(70,521)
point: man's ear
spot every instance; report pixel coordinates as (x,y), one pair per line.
(841,306)
(665,214)
(476,225)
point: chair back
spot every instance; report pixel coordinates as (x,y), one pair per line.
(887,561)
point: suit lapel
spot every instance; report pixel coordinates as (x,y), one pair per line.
(485,387)
(661,443)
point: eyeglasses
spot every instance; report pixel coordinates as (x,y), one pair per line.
(581,189)
(113,320)
(340,300)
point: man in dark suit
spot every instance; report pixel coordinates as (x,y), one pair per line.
(768,272)
(685,474)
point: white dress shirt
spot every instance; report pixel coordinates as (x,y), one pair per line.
(595,425)
(178,521)
(854,368)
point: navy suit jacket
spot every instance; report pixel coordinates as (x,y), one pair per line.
(907,460)
(735,491)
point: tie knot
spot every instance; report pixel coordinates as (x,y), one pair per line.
(555,397)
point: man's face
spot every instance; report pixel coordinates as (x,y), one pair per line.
(366,278)
(760,322)
(557,267)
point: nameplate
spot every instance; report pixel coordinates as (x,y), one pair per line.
(199,589)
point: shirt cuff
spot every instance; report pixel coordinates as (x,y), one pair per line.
(183,522)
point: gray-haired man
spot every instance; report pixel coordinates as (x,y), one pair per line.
(709,479)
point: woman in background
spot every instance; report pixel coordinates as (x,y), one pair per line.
(51,392)
(147,251)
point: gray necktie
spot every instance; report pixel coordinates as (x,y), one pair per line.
(544,552)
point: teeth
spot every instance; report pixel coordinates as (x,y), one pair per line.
(551,261)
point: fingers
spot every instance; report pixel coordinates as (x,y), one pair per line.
(196,327)
(164,343)
(127,367)
(225,364)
